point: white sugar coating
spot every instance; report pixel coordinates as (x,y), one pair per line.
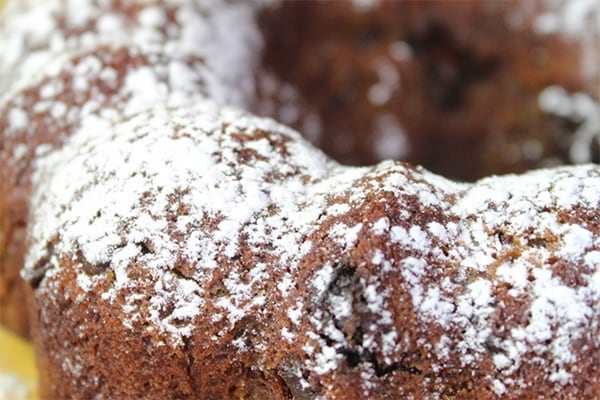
(438,230)
(575,241)
(327,360)
(567,16)
(117,195)
(295,314)
(17,119)
(498,387)
(201,30)
(494,210)
(501,204)
(380,226)
(345,235)
(505,203)
(414,238)
(579,20)
(111,197)
(19,152)
(580,108)
(339,209)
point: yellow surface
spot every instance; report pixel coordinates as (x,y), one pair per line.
(17,361)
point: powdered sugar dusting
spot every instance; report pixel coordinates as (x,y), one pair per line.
(581,109)
(132,204)
(166,204)
(580,21)
(511,235)
(199,32)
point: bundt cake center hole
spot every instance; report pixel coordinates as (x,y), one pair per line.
(457,92)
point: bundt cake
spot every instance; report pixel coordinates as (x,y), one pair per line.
(466,88)
(176,245)
(407,80)
(200,252)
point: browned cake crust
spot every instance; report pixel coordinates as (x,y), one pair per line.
(252,267)
(464,89)
(179,248)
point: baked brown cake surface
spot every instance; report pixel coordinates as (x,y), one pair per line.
(194,244)
(411,81)
(464,89)
(181,248)
(64,64)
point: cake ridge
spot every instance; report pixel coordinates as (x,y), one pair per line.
(177,242)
